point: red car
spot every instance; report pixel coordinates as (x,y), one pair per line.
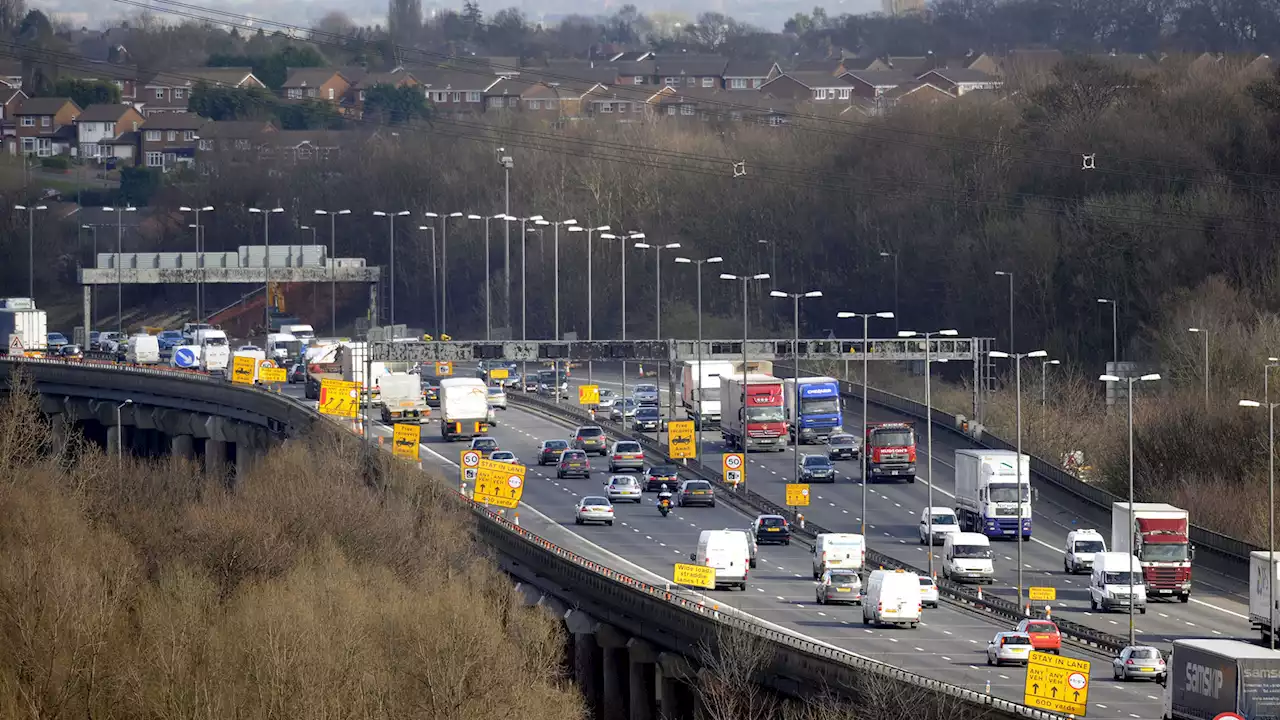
(1044,635)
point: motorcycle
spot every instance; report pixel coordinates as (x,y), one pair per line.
(664,507)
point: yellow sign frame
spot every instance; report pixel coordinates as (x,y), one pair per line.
(1057,683)
(339,398)
(734,468)
(499,483)
(499,374)
(406,440)
(444,368)
(682,440)
(273,375)
(243,369)
(1042,594)
(588,394)
(798,494)
(694,576)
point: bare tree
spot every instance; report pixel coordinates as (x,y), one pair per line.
(729,684)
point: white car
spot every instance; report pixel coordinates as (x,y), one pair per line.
(928,592)
(594,508)
(497,397)
(1009,647)
(623,487)
(607,398)
(505,456)
(943,521)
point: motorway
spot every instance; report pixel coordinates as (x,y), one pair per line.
(949,644)
(1218,606)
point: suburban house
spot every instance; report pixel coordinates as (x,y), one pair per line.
(701,71)
(354,101)
(717,104)
(99,127)
(872,84)
(303,146)
(322,84)
(45,126)
(10,100)
(170,92)
(916,92)
(958,81)
(455,91)
(637,72)
(812,85)
(168,139)
(749,74)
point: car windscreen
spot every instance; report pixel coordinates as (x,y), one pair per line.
(627,447)
(647,413)
(486,444)
(663,470)
(1090,546)
(818,462)
(1041,628)
(972,552)
(646,389)
(893,438)
(944,520)
(557,444)
(841,440)
(697,485)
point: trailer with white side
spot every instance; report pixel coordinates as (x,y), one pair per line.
(464,408)
(700,390)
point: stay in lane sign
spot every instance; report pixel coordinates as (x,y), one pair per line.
(499,483)
(1057,683)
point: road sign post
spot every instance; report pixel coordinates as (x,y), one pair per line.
(681,444)
(499,483)
(1057,683)
(405,441)
(695,576)
(734,467)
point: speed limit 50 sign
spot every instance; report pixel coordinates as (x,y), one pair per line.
(734,467)
(470,465)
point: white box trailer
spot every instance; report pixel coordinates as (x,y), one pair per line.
(700,390)
(1263,573)
(28,325)
(464,408)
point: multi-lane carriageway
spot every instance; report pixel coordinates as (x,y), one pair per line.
(950,644)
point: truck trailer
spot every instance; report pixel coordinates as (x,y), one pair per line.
(1160,539)
(700,390)
(464,408)
(19,317)
(813,408)
(1209,677)
(987,490)
(402,399)
(1263,571)
(752,416)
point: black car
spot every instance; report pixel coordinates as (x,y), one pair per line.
(646,419)
(816,468)
(431,394)
(656,476)
(549,451)
(298,373)
(773,529)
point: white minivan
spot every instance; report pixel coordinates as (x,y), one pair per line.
(891,597)
(726,551)
(967,556)
(1110,582)
(1082,547)
(941,520)
(142,349)
(844,551)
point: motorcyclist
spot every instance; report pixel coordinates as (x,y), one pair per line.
(664,497)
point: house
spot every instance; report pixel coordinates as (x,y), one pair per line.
(812,85)
(719,105)
(553,101)
(320,84)
(124,78)
(456,91)
(98,127)
(45,126)
(637,72)
(168,139)
(232,141)
(618,105)
(958,81)
(10,100)
(874,83)
(354,101)
(749,74)
(302,146)
(700,71)
(171,91)
(916,92)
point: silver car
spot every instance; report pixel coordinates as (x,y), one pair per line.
(593,508)
(840,586)
(1139,661)
(607,398)
(505,456)
(623,487)
(497,397)
(1009,647)
(646,394)
(623,409)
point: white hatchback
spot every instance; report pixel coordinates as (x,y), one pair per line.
(1009,647)
(623,487)
(593,508)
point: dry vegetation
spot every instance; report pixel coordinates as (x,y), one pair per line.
(149,591)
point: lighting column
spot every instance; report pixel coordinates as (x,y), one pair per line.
(119,280)
(697,264)
(746,385)
(1204,332)
(862,433)
(333,249)
(1115,336)
(266,259)
(199,256)
(795,386)
(31,244)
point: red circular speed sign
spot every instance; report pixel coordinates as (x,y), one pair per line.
(1228,716)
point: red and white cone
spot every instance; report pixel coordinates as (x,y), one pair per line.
(979,592)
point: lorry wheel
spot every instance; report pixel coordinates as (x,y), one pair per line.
(1142,611)
(911,480)
(1184,598)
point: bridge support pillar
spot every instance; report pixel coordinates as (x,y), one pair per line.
(641,680)
(246,455)
(614,672)
(182,446)
(586,669)
(59,431)
(676,694)
(215,458)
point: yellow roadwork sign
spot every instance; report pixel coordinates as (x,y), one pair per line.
(405,441)
(1057,683)
(734,467)
(1042,594)
(797,494)
(339,398)
(588,394)
(499,483)
(273,375)
(243,369)
(444,369)
(695,576)
(499,374)
(681,442)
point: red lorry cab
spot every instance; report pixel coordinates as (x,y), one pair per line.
(765,415)
(890,451)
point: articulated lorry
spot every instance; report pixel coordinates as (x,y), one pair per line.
(987,490)
(700,390)
(1208,677)
(464,408)
(19,317)
(752,416)
(889,451)
(813,408)
(1263,572)
(1160,539)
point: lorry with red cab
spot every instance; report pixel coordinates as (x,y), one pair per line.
(889,452)
(1159,539)
(752,416)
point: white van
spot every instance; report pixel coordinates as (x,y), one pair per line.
(891,597)
(277,345)
(142,349)
(846,551)
(967,556)
(726,551)
(1109,583)
(215,350)
(305,333)
(1082,547)
(941,520)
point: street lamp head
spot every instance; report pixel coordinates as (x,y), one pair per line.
(813,294)
(277,210)
(886,254)
(948,333)
(425,227)
(913,333)
(1104,300)
(1053,362)
(1003,273)
(1103,378)
(760,276)
(183,208)
(727,276)
(207,208)
(998,354)
(1194,330)
(671,246)
(1250,403)
(602,228)
(643,246)
(1273,359)
(344,212)
(379,213)
(683,260)
(402,213)
(636,236)
(193,226)
(846,315)
(777,293)
(542,222)
(474,217)
(539,217)
(570,221)
(452,214)
(608,236)
(716,259)
(430,214)
(304,227)
(575,228)
(1150,377)
(1037,354)
(887,315)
